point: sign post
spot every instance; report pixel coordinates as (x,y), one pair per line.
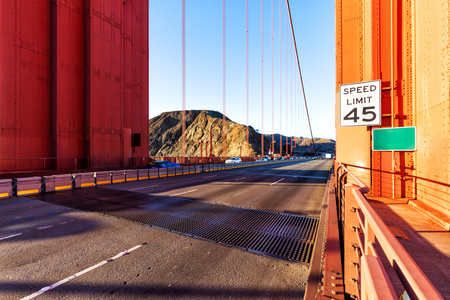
(360,104)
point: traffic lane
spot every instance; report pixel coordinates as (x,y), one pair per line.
(300,194)
(52,256)
(170,183)
(48,253)
(170,265)
(263,192)
(24,219)
(173,182)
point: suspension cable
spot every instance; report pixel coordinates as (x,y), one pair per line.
(262,81)
(183,79)
(281,84)
(300,74)
(247,70)
(272,145)
(287,119)
(224,134)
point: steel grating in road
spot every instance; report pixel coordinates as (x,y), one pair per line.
(278,235)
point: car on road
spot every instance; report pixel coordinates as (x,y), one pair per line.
(233,160)
(163,164)
(262,159)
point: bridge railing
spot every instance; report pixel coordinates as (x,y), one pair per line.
(365,234)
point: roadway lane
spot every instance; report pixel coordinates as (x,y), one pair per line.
(291,187)
(46,245)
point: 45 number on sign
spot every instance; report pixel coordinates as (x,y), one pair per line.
(367,110)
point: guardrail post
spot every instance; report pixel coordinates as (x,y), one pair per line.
(351,247)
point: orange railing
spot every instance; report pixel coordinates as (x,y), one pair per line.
(365,234)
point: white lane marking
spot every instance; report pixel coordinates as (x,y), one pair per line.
(45,227)
(145,187)
(294,176)
(10,236)
(314,177)
(277,181)
(240,178)
(238,193)
(183,193)
(47,288)
(210,176)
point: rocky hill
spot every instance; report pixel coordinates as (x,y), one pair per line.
(165,137)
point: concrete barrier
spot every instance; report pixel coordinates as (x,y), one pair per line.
(171,172)
(198,169)
(131,175)
(143,174)
(179,171)
(57,183)
(6,188)
(103,178)
(162,172)
(27,186)
(153,173)
(63,182)
(84,180)
(116,177)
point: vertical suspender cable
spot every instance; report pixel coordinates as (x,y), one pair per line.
(286,82)
(183,88)
(292,100)
(224,128)
(262,81)
(247,69)
(300,74)
(273,93)
(281,102)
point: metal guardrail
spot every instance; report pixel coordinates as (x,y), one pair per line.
(35,185)
(364,234)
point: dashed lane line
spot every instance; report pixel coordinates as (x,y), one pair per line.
(33,229)
(145,187)
(183,193)
(111,259)
(10,236)
(277,181)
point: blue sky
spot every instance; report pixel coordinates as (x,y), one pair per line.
(314,28)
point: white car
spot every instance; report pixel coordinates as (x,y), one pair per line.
(233,160)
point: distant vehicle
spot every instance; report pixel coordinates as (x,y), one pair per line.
(233,160)
(327,155)
(163,164)
(262,159)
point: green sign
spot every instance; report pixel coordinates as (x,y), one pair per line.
(394,139)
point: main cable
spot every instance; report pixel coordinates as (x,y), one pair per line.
(300,74)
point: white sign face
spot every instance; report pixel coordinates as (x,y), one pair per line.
(360,104)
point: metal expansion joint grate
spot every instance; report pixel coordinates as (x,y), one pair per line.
(278,235)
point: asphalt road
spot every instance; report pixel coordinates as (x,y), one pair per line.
(50,251)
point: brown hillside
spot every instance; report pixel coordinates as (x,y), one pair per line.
(165,136)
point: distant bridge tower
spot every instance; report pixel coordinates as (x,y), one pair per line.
(74,84)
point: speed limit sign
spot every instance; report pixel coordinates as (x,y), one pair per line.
(360,104)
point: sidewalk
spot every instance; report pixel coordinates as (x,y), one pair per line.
(426,241)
